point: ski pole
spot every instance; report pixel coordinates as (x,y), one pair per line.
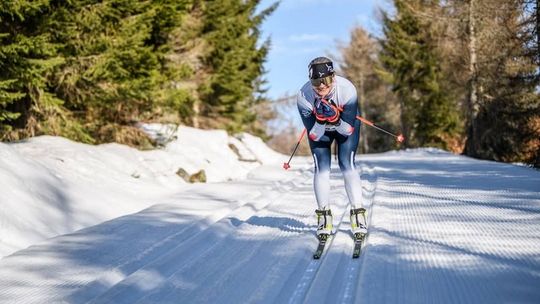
(400,138)
(286,165)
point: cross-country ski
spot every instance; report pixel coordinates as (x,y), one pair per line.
(323,239)
(358,240)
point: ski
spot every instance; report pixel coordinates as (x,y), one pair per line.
(322,243)
(358,239)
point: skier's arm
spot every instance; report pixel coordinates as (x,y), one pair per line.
(315,129)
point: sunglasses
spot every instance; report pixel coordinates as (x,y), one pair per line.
(327,81)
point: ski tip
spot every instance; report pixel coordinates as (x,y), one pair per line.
(323,237)
(359,236)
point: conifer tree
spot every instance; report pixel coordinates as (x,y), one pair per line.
(234,59)
(26,57)
(174,37)
(360,65)
(111,75)
(90,69)
(408,54)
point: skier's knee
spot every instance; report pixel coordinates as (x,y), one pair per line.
(344,166)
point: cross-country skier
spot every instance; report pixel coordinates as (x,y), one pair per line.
(328,106)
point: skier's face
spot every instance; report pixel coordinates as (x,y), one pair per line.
(323,88)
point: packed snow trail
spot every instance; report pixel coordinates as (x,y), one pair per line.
(443,229)
(452,229)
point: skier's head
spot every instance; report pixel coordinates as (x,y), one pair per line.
(321,75)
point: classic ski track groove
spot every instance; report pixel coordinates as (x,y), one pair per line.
(167,292)
(346,295)
(208,222)
(171,256)
(240,256)
(312,270)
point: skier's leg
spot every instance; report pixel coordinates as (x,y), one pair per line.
(346,153)
(353,186)
(321,176)
(321,184)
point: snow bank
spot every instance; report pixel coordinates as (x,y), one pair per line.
(52,186)
(260,150)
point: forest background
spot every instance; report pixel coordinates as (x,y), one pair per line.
(457,75)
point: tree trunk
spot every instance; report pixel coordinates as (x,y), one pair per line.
(538,33)
(472,100)
(404,122)
(196,112)
(363,136)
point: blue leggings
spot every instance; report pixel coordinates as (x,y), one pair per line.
(322,157)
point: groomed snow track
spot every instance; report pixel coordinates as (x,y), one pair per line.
(443,229)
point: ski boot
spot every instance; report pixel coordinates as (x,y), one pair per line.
(324,223)
(358,222)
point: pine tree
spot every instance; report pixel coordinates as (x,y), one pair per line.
(175,38)
(234,59)
(408,53)
(90,70)
(7,98)
(361,65)
(111,77)
(26,57)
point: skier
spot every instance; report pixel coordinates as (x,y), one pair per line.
(328,106)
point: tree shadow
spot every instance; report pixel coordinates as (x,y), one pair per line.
(161,254)
(282,223)
(410,269)
(453,171)
(449,231)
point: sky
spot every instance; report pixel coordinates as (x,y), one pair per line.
(301,30)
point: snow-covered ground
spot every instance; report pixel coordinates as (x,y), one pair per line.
(52,186)
(443,229)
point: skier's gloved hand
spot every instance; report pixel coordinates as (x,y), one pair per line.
(344,128)
(325,112)
(317,131)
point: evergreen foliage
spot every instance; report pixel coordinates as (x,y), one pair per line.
(428,117)
(234,60)
(91,70)
(111,73)
(26,58)
(361,65)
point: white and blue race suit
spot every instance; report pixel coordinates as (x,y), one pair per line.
(346,133)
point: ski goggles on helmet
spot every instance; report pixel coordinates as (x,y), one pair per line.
(327,81)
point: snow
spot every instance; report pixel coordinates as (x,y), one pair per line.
(52,186)
(443,228)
